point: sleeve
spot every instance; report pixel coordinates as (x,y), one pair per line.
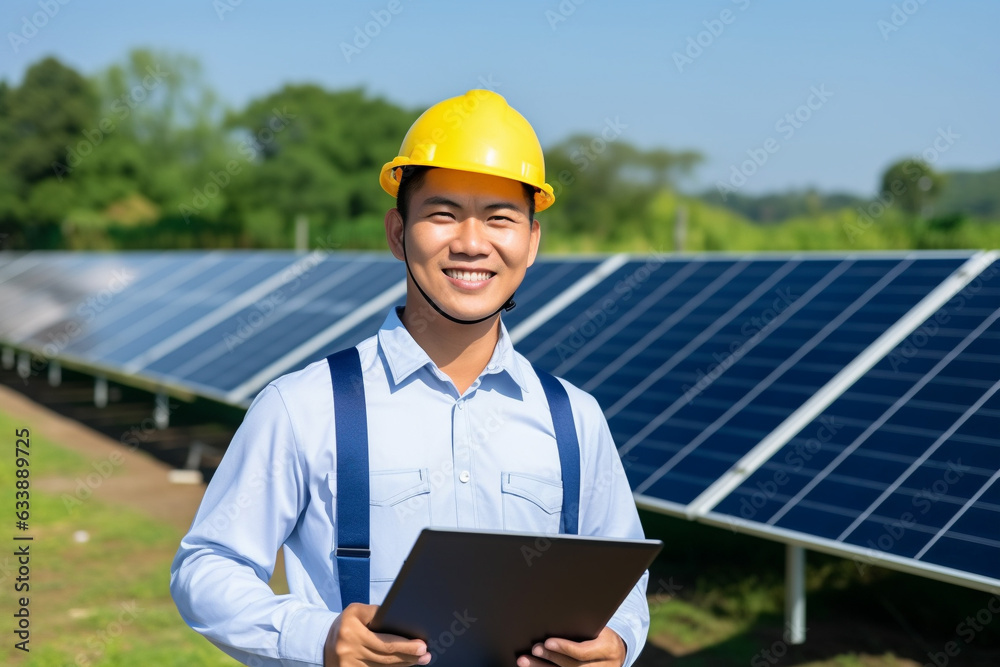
(608,509)
(219,576)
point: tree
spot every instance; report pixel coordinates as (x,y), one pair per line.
(605,186)
(162,130)
(40,121)
(912,186)
(305,150)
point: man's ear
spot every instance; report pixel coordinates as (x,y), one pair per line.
(394,232)
(536,235)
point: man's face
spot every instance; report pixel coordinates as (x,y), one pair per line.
(468,240)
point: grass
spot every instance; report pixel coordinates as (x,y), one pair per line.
(101,602)
(725,606)
(716,598)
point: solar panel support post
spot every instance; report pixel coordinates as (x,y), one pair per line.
(795,594)
(100,391)
(55,373)
(8,358)
(24,364)
(301,233)
(161,413)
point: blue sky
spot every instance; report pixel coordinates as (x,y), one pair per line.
(885,79)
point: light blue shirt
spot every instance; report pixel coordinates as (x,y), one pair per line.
(486,459)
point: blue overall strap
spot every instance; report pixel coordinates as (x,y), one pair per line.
(569,449)
(351,422)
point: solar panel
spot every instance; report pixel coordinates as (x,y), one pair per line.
(58,297)
(905,462)
(542,282)
(125,320)
(173,317)
(695,362)
(229,353)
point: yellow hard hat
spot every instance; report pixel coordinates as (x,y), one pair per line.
(476,132)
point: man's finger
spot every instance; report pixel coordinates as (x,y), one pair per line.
(592,649)
(532,661)
(377,658)
(387,644)
(540,653)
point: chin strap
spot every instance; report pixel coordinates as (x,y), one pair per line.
(506,306)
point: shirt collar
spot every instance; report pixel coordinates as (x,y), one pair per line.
(404,356)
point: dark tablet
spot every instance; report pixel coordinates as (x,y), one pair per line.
(482,598)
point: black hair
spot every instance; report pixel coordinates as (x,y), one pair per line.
(412,178)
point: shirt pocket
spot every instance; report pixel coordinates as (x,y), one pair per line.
(400,509)
(531,504)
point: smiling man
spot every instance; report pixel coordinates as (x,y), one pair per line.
(437,417)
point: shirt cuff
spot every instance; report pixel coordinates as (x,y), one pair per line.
(625,632)
(303,637)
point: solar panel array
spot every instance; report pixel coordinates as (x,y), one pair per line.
(844,402)
(906,461)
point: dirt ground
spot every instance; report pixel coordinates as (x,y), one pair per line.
(139,482)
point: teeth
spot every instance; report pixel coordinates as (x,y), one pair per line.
(471,276)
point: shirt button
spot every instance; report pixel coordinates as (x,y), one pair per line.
(460,404)
(465,476)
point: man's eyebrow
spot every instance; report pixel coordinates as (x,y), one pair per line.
(437,200)
(504,204)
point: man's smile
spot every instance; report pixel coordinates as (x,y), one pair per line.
(469,277)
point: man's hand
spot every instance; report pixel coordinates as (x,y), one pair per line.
(350,643)
(607,650)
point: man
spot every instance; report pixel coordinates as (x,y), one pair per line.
(460,434)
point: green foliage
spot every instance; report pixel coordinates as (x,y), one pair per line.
(38,120)
(973,193)
(314,153)
(143,155)
(775,207)
(605,189)
(911,185)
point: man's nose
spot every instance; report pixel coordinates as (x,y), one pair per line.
(471,238)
